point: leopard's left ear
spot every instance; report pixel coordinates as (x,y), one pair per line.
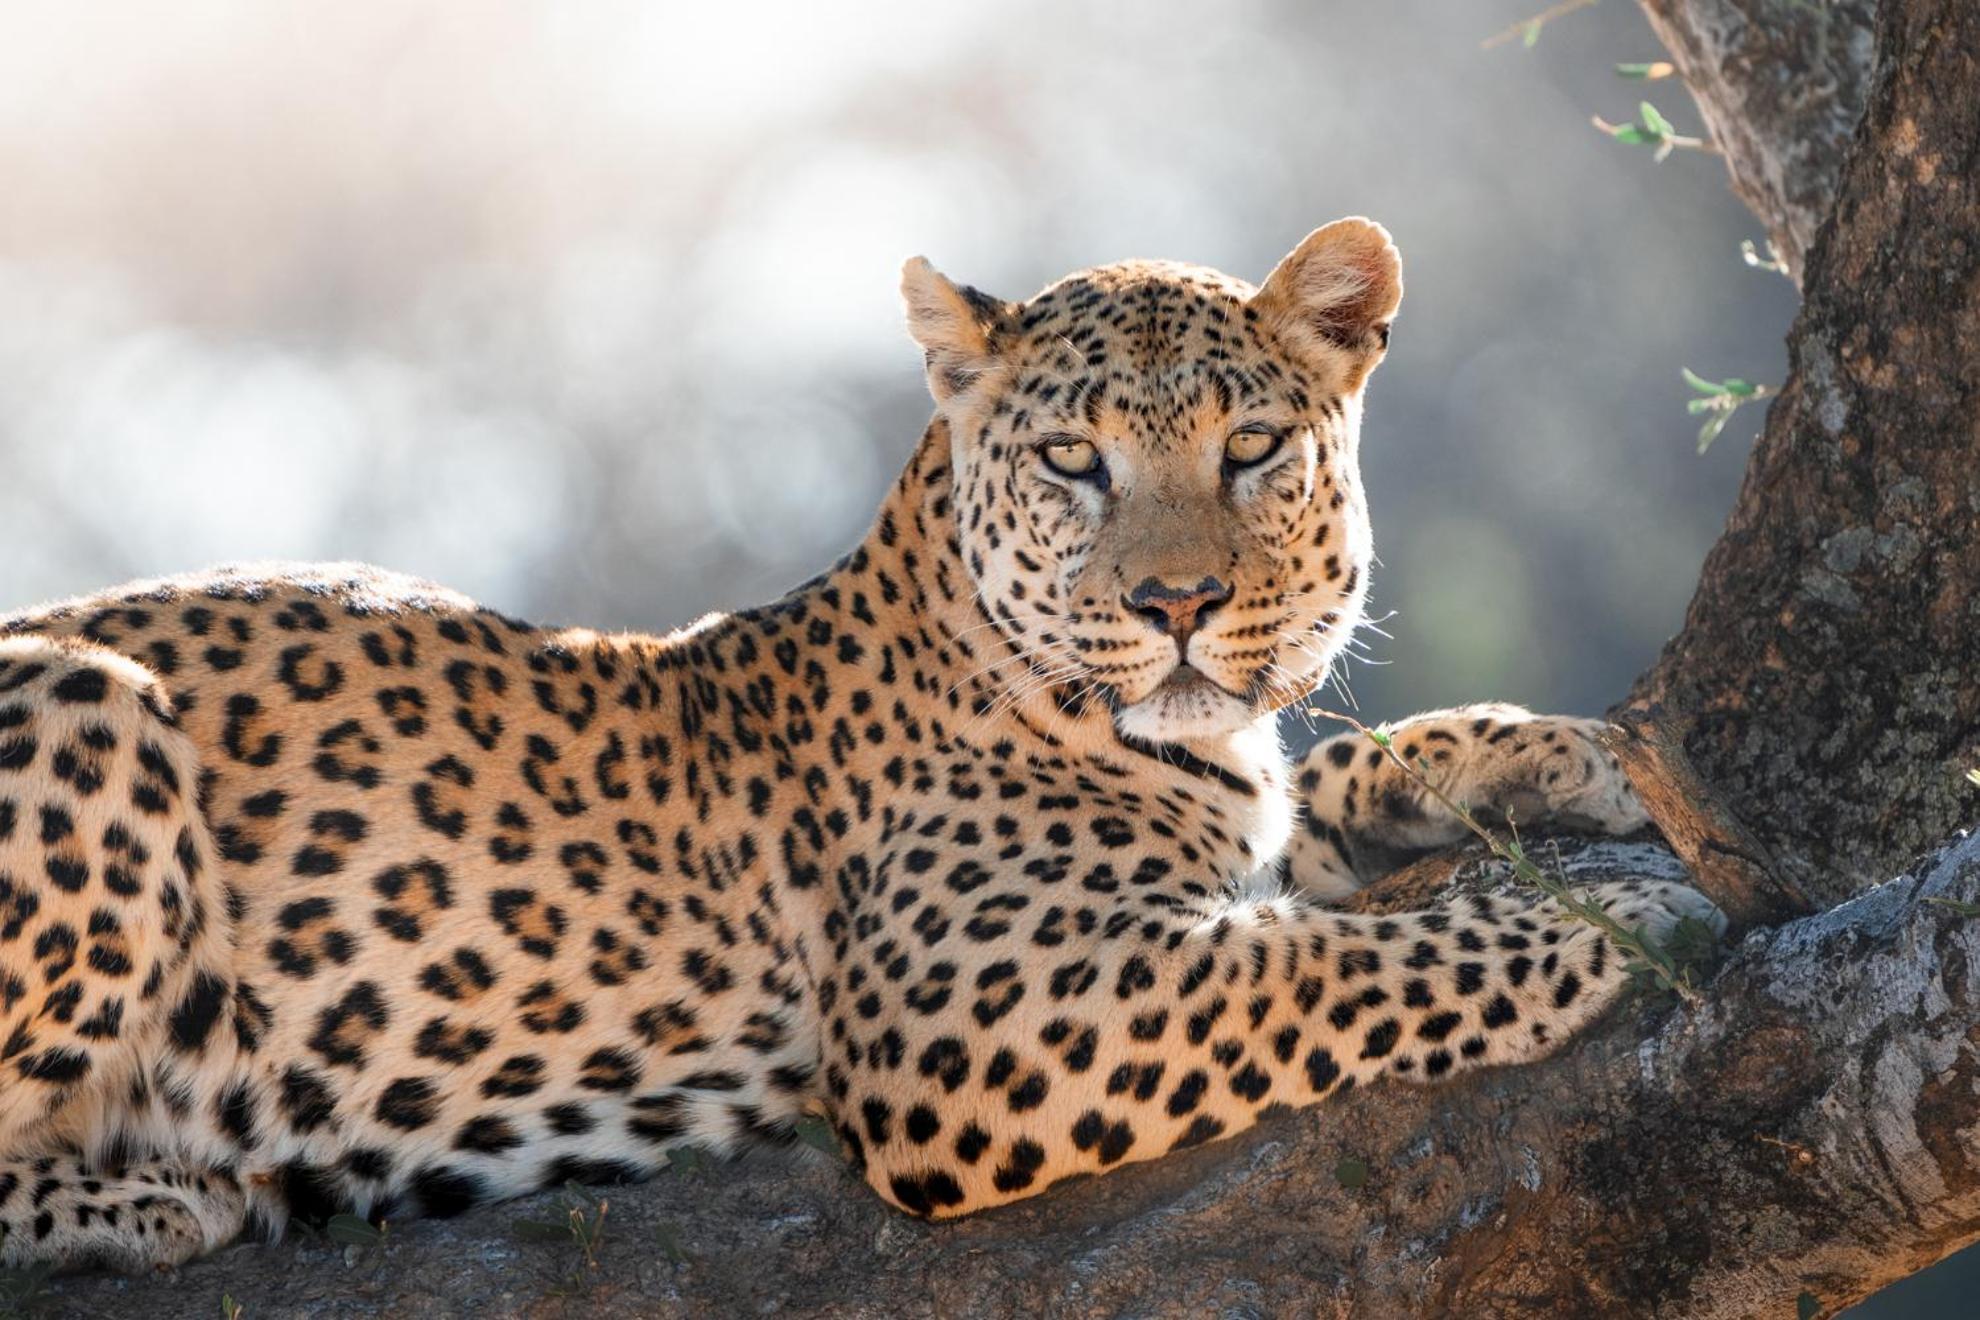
(1336,293)
(960,329)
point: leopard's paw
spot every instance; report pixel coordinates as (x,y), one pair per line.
(1659,907)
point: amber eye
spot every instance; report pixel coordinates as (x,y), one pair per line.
(1072,457)
(1250,448)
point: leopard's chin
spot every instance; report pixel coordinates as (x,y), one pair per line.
(1187,706)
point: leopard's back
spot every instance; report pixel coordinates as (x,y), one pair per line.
(413,806)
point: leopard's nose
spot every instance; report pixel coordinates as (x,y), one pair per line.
(1177,608)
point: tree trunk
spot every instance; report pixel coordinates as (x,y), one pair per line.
(1826,684)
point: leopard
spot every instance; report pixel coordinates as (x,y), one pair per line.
(326,890)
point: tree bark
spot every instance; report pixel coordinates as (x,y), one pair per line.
(1826,683)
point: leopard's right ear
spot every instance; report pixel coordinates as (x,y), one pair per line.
(960,329)
(1333,297)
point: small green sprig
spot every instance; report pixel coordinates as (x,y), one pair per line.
(1651,72)
(583,1225)
(1651,129)
(1720,400)
(1644,960)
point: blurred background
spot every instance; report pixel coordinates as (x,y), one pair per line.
(590,310)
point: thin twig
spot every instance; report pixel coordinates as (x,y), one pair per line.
(1520,31)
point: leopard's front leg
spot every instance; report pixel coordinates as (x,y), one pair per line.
(1070,1039)
(1365,816)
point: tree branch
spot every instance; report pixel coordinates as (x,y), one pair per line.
(1809,1128)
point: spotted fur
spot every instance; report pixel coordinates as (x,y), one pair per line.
(323,889)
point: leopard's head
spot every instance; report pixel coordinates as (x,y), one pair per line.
(1155,476)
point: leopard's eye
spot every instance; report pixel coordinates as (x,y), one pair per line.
(1250,447)
(1072,457)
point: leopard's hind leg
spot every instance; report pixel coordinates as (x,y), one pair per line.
(113,958)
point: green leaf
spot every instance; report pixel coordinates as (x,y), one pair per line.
(686,1159)
(1959,906)
(1745,389)
(352,1231)
(1531,38)
(1631,134)
(1699,383)
(1692,943)
(1710,431)
(1697,406)
(1807,1306)
(814,1131)
(1351,1172)
(1379,738)
(1655,122)
(542,1230)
